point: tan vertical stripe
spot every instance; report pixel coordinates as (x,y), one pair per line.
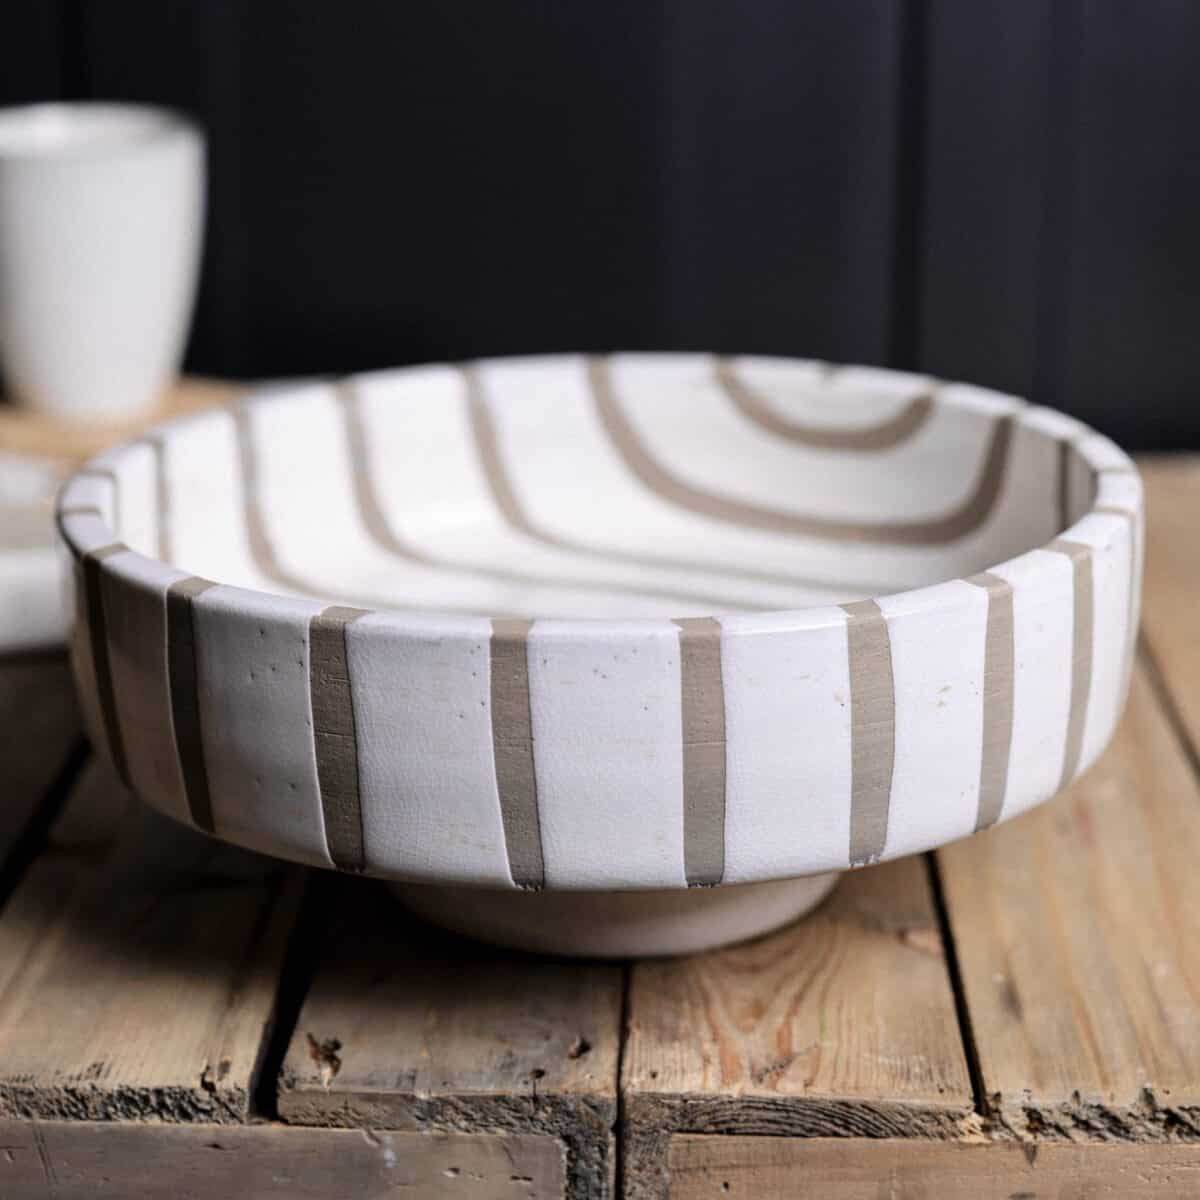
(883,436)
(183,682)
(703,694)
(1064,485)
(1081,652)
(98,636)
(513,752)
(334,738)
(956,523)
(998,680)
(1093,481)
(261,550)
(872,729)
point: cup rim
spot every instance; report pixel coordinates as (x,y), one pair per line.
(146,126)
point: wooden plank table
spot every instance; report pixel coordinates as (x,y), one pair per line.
(1017,1015)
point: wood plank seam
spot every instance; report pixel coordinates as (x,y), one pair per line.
(1078,963)
(32,839)
(621,1122)
(954,972)
(1148,657)
(295,976)
(781,1037)
(584,1129)
(404,1026)
(177,942)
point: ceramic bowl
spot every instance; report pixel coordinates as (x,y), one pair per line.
(613,655)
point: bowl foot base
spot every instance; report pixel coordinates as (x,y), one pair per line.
(618,924)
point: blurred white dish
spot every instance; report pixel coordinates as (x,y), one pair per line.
(32,601)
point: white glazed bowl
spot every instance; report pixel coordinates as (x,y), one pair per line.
(650,623)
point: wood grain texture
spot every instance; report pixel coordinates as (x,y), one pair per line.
(39,727)
(408,1028)
(63,1160)
(138,967)
(1172,579)
(842,1024)
(742,1168)
(1075,930)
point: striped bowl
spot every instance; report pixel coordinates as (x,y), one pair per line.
(561,643)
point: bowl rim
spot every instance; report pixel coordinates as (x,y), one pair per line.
(84,532)
(165,600)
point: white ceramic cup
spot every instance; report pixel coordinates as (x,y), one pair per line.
(101,218)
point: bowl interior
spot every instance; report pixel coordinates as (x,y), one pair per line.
(631,486)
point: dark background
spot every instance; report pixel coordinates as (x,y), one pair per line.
(1007,193)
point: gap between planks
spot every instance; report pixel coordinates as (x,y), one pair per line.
(840,1025)
(295,977)
(44,754)
(408,1027)
(1081,979)
(1127,824)
(1164,694)
(138,965)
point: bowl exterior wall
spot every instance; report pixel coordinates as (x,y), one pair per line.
(607,755)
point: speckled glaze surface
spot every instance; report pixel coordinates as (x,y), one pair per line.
(642,622)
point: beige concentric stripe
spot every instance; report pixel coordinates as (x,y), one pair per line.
(98,636)
(487,444)
(185,697)
(372,514)
(955,524)
(1081,652)
(887,434)
(872,729)
(998,683)
(703,695)
(334,736)
(162,493)
(262,551)
(378,527)
(512,750)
